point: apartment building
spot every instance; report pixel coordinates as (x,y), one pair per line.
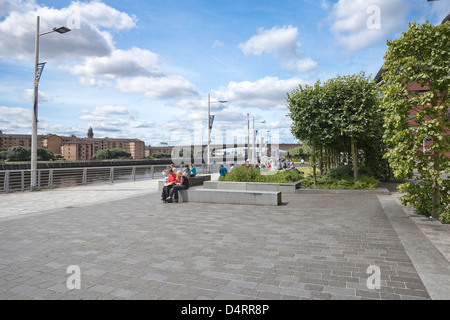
(74,148)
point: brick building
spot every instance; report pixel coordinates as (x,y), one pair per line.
(73,148)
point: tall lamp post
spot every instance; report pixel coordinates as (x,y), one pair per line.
(209,130)
(37,74)
(255,134)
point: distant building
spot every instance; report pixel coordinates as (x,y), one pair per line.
(73,148)
(90,134)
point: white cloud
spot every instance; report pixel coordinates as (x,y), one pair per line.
(14,120)
(283,44)
(42,96)
(113,119)
(121,63)
(353,21)
(266,93)
(18,29)
(277,41)
(172,86)
(217,43)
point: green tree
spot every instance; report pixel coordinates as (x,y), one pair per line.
(44,154)
(354,115)
(341,115)
(18,153)
(160,155)
(420,57)
(305,107)
(112,154)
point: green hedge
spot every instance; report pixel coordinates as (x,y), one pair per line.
(242,174)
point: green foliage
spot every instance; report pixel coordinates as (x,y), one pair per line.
(44,154)
(112,154)
(242,174)
(160,155)
(419,57)
(18,153)
(327,182)
(341,112)
(297,153)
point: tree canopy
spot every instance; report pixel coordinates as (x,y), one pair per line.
(112,154)
(340,115)
(416,105)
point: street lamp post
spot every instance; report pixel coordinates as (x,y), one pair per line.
(209,131)
(35,102)
(255,134)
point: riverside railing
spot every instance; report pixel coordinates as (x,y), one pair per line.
(20,180)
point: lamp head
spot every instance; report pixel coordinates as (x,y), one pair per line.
(61,29)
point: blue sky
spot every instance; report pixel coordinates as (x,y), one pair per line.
(144,69)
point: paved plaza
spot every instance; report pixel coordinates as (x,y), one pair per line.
(128,245)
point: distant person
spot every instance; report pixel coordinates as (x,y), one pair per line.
(223,171)
(302,161)
(231,167)
(248,165)
(186,172)
(193,170)
(171,181)
(183,184)
(279,165)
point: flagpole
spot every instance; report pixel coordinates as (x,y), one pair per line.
(209,134)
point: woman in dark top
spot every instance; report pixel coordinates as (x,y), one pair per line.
(183,184)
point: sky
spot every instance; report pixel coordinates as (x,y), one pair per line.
(144,68)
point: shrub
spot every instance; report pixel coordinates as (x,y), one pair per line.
(242,174)
(327,182)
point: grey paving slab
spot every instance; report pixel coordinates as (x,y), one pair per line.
(128,245)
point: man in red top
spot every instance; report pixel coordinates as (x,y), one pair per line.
(171,181)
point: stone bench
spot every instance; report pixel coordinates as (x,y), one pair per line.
(230,196)
(253,186)
(193,181)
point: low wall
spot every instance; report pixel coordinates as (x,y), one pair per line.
(252,186)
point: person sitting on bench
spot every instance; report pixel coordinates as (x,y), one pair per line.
(171,182)
(183,184)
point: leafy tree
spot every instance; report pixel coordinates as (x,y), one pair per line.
(44,154)
(112,154)
(297,153)
(354,114)
(341,115)
(18,153)
(160,155)
(420,57)
(305,109)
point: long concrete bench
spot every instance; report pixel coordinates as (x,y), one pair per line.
(193,181)
(253,186)
(231,196)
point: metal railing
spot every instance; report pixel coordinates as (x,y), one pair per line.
(20,180)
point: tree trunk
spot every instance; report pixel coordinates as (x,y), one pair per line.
(321,161)
(355,159)
(314,163)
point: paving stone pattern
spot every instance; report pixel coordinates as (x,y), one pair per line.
(311,247)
